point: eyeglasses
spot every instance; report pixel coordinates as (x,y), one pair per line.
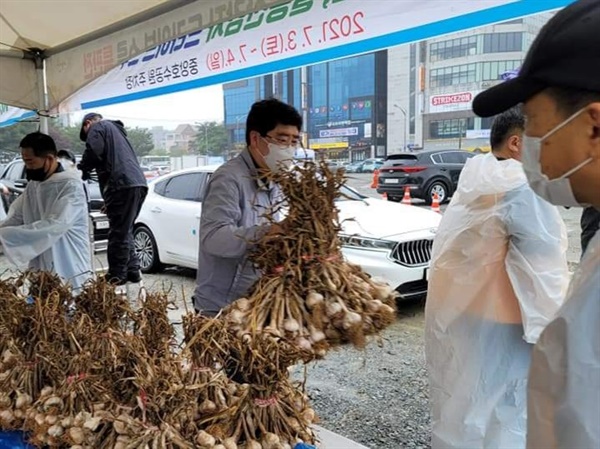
(294,142)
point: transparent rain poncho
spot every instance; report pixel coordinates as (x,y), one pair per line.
(498,275)
(47,228)
(563,398)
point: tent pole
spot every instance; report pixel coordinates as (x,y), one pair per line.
(40,68)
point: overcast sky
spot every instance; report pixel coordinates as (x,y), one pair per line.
(198,105)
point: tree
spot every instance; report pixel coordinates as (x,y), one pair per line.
(71,135)
(67,138)
(11,136)
(211,139)
(177,151)
(62,140)
(159,152)
(141,140)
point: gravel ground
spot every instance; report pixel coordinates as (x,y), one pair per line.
(378,396)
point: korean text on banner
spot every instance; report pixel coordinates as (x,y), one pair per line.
(278,38)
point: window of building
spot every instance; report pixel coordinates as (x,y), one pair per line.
(350,78)
(318,85)
(512,22)
(298,89)
(492,70)
(450,128)
(486,122)
(449,76)
(238,101)
(502,42)
(453,48)
(336,87)
(317,91)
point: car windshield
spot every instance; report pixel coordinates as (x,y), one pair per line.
(349,194)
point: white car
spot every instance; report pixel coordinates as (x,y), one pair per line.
(388,240)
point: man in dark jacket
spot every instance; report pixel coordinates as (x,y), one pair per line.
(123,188)
(590,223)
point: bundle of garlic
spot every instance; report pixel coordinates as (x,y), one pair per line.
(249,402)
(95,377)
(60,418)
(151,322)
(101,377)
(308,292)
(105,309)
(35,339)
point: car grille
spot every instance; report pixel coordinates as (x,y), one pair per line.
(417,252)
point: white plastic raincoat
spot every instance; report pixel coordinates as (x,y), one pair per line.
(563,397)
(47,228)
(498,275)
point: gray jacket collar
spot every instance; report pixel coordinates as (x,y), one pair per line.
(247,158)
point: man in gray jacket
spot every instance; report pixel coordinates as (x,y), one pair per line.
(236,200)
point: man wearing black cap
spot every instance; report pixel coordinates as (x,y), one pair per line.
(123,188)
(559,85)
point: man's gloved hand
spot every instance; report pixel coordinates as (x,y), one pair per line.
(85,175)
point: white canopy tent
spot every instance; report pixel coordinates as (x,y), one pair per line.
(100,52)
(78,41)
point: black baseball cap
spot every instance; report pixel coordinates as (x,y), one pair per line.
(86,117)
(566,53)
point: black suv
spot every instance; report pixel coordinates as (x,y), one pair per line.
(13,178)
(425,173)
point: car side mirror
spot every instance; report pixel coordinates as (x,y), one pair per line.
(21,183)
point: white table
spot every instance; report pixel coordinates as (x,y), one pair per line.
(330,440)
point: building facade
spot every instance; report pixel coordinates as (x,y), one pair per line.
(239,96)
(181,139)
(343,103)
(443,77)
(408,97)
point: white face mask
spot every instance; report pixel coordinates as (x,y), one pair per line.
(556,191)
(280,157)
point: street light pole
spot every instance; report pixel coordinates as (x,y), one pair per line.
(238,119)
(405,123)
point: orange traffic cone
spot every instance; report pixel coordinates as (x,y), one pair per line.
(406,199)
(375,179)
(435,204)
(384,196)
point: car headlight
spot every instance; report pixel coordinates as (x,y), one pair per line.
(355,241)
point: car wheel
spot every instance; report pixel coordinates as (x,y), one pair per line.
(394,199)
(146,250)
(437,187)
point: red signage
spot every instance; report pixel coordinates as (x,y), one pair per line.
(463,97)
